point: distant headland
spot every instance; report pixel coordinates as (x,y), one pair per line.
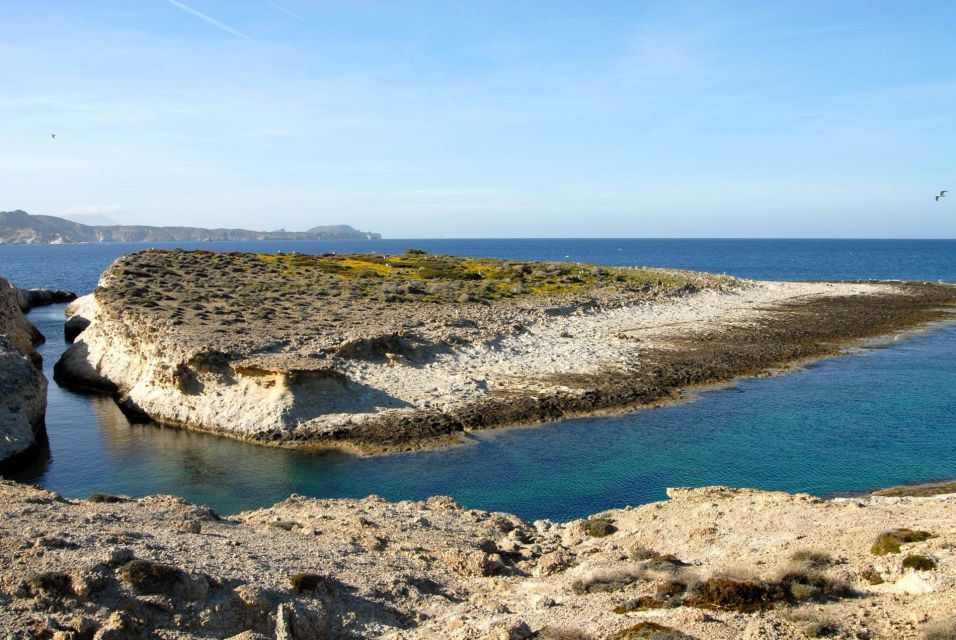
(20,227)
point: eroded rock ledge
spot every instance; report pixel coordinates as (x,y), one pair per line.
(710,564)
(22,384)
(390,352)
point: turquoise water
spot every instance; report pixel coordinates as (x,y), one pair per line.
(882,416)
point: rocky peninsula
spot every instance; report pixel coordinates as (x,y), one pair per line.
(379,353)
(22,384)
(708,564)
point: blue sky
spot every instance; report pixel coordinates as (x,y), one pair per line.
(481,119)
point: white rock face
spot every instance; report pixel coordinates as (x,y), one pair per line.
(22,402)
(22,385)
(150,372)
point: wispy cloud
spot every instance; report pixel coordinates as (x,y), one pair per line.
(284,10)
(93,210)
(207,19)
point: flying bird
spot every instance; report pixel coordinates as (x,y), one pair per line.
(942,194)
(53,136)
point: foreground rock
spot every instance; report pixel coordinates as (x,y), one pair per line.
(390,352)
(711,564)
(22,385)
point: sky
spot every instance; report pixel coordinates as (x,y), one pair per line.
(485,118)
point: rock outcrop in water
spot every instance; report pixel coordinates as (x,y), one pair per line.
(31,298)
(708,564)
(390,352)
(22,384)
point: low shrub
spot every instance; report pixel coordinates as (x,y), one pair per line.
(310,583)
(643,603)
(667,562)
(795,585)
(919,563)
(638,552)
(815,626)
(562,633)
(151,578)
(812,558)
(872,576)
(599,527)
(105,498)
(734,595)
(647,631)
(890,541)
(801,585)
(606,580)
(51,584)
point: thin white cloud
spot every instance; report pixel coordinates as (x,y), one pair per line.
(284,10)
(207,19)
(93,210)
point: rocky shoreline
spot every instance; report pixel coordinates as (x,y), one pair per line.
(366,353)
(710,564)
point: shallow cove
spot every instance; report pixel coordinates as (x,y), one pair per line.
(879,417)
(848,424)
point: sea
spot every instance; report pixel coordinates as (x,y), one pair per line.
(877,416)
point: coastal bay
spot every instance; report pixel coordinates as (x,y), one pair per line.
(370,611)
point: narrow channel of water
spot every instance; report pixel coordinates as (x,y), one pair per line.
(883,416)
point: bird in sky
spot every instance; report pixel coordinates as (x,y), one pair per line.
(53,136)
(942,194)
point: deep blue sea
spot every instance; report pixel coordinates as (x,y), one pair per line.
(882,416)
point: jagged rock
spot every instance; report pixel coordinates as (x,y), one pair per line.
(22,385)
(32,298)
(73,327)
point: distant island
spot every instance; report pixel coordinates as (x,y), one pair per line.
(20,227)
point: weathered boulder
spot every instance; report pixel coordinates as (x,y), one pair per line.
(14,324)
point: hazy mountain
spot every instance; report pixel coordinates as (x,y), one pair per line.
(19,227)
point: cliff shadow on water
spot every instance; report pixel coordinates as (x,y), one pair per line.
(882,416)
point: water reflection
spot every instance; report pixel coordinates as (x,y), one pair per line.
(882,417)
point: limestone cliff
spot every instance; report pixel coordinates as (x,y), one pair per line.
(22,385)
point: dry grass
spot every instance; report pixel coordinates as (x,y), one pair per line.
(940,630)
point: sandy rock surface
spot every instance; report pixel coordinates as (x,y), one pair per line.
(309,568)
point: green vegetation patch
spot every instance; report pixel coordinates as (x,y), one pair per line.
(310,583)
(795,586)
(151,578)
(161,279)
(734,595)
(890,541)
(812,558)
(647,631)
(50,584)
(105,498)
(599,527)
(919,563)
